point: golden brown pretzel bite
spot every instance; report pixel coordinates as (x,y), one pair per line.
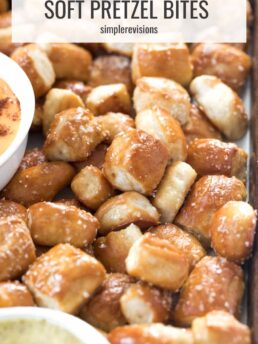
(182,240)
(69,60)
(37,66)
(218,327)
(64,278)
(221,105)
(15,294)
(103,310)
(143,304)
(112,249)
(163,93)
(208,194)
(233,230)
(51,224)
(135,161)
(96,158)
(10,208)
(210,156)
(76,86)
(4,5)
(73,135)
(91,187)
(160,124)
(17,250)
(119,48)
(158,262)
(109,98)
(166,60)
(214,284)
(173,189)
(39,183)
(58,100)
(229,64)
(122,210)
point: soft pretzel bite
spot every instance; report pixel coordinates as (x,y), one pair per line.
(10,208)
(64,278)
(69,60)
(144,304)
(182,240)
(163,93)
(198,126)
(135,161)
(232,231)
(211,156)
(214,284)
(38,116)
(158,262)
(173,189)
(96,158)
(119,48)
(35,63)
(112,249)
(4,5)
(218,327)
(32,158)
(15,294)
(109,98)
(122,210)
(112,69)
(160,124)
(221,105)
(228,63)
(17,250)
(209,193)
(91,187)
(150,334)
(166,60)
(39,183)
(103,310)
(73,135)
(51,224)
(78,87)
(58,100)
(114,123)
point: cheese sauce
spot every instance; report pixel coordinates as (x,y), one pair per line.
(10,116)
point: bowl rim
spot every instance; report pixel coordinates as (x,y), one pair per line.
(20,84)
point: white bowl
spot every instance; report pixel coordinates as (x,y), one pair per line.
(75,326)
(15,77)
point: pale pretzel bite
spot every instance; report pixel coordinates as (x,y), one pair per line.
(113,69)
(103,309)
(211,156)
(173,189)
(199,126)
(220,327)
(38,115)
(150,334)
(208,194)
(119,48)
(15,294)
(58,100)
(163,93)
(124,209)
(112,249)
(144,304)
(233,230)
(96,158)
(73,135)
(51,224)
(135,161)
(78,87)
(114,123)
(32,158)
(221,105)
(91,187)
(69,60)
(64,278)
(39,183)
(160,124)
(109,98)
(35,63)
(158,262)
(10,208)
(229,64)
(214,284)
(17,250)
(182,240)
(167,60)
